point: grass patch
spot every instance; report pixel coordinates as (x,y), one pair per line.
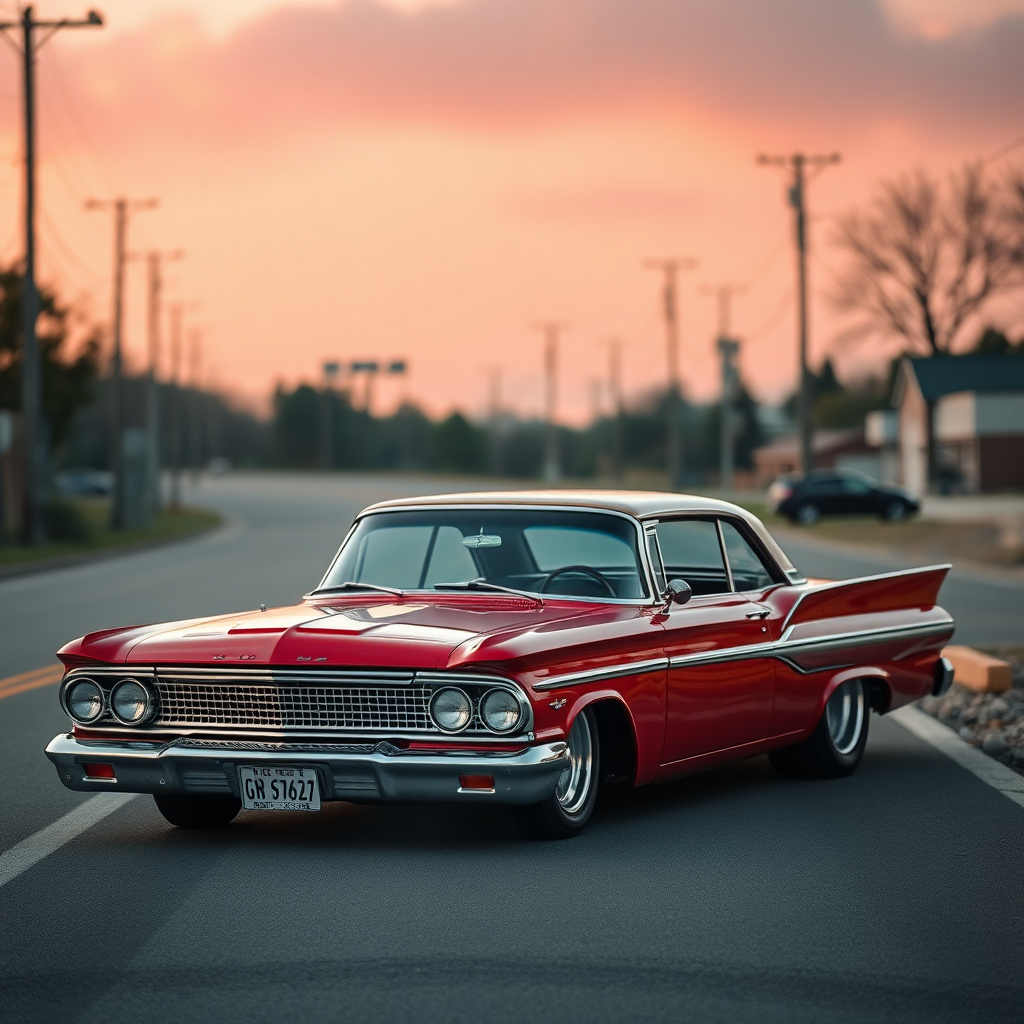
(922,540)
(84,526)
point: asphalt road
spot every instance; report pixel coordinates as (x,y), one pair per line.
(896,894)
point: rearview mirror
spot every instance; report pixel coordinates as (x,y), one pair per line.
(679,591)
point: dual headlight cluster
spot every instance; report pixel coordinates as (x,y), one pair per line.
(128,700)
(500,711)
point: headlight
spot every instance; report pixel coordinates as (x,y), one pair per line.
(500,711)
(130,702)
(84,701)
(451,710)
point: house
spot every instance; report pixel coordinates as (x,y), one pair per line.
(961,422)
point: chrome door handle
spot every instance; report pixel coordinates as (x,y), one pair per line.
(761,614)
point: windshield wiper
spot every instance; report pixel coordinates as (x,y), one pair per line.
(482,584)
(349,585)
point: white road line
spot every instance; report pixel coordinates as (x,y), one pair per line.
(48,840)
(990,771)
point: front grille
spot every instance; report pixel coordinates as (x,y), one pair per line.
(294,708)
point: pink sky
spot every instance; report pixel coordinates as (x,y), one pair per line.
(426,180)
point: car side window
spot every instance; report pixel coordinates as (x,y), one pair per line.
(693,553)
(854,486)
(748,571)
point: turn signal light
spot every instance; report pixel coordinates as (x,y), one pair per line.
(476,781)
(99,771)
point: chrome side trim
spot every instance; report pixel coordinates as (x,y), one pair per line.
(836,584)
(866,635)
(594,675)
(777,650)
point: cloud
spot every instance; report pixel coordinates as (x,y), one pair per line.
(499,64)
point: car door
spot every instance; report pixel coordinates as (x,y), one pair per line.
(720,677)
(859,496)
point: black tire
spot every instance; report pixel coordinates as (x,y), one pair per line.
(565,813)
(807,514)
(197,811)
(822,755)
(894,512)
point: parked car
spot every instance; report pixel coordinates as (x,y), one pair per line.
(836,492)
(511,648)
(84,483)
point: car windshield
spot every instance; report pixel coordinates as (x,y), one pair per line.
(540,551)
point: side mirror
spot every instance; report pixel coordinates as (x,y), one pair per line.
(679,592)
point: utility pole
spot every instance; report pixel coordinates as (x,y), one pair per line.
(615,389)
(122,209)
(176,410)
(154,282)
(551,331)
(670,268)
(494,419)
(33,432)
(728,349)
(195,432)
(798,163)
(331,370)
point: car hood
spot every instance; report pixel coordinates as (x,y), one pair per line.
(411,633)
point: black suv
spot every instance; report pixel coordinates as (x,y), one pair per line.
(839,492)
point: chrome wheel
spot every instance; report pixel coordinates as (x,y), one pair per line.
(575,782)
(807,515)
(844,715)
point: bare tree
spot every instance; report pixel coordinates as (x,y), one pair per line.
(925,256)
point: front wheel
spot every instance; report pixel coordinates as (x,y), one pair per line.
(564,813)
(835,747)
(197,811)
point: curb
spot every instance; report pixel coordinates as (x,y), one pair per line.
(990,771)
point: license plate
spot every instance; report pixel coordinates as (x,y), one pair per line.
(279,789)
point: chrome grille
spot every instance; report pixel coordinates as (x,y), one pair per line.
(294,708)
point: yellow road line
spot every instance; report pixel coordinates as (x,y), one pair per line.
(45,676)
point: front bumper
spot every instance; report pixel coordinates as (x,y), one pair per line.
(362,772)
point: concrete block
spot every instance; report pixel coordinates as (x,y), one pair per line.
(979,672)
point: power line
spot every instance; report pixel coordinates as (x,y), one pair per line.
(1004,150)
(551,330)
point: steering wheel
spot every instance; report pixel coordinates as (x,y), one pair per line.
(584,570)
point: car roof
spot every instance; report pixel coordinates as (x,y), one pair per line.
(641,504)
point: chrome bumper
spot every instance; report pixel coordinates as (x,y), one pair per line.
(368,772)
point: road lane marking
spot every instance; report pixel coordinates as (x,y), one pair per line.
(48,840)
(986,768)
(30,680)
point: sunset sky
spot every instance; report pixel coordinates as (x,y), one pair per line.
(428,179)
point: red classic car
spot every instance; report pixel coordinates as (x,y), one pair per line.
(516,648)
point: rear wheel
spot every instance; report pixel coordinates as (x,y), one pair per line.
(835,747)
(808,514)
(894,512)
(197,811)
(564,813)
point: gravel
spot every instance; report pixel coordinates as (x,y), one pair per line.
(993,722)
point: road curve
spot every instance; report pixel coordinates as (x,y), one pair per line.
(893,895)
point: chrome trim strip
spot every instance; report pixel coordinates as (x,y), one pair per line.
(836,584)
(593,675)
(912,628)
(777,650)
